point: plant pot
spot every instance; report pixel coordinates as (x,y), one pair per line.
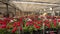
(26,33)
(37,32)
(40,31)
(50,31)
(46,31)
(58,31)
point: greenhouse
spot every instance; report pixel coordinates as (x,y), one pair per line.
(29,16)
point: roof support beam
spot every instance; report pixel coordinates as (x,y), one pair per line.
(47,4)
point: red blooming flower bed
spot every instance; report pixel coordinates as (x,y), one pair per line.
(29,24)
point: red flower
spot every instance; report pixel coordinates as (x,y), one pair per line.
(49,17)
(3,26)
(48,25)
(7,19)
(27,24)
(31,22)
(14,29)
(46,21)
(21,28)
(18,23)
(14,24)
(35,20)
(21,19)
(1,21)
(53,17)
(55,22)
(36,26)
(39,22)
(59,20)
(4,22)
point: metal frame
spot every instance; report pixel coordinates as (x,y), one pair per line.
(7,8)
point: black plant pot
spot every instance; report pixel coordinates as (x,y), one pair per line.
(58,31)
(37,32)
(26,32)
(50,31)
(47,31)
(40,31)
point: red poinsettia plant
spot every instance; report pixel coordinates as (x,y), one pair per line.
(30,24)
(52,22)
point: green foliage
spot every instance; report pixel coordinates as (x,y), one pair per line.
(52,25)
(4,31)
(31,28)
(25,29)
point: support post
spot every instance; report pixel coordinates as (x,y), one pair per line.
(7,8)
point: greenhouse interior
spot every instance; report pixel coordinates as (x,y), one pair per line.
(29,16)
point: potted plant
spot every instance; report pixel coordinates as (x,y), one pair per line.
(58,26)
(54,25)
(38,28)
(32,27)
(51,26)
(28,27)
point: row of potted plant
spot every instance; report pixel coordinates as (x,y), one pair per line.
(29,25)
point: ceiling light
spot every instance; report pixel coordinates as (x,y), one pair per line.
(51,9)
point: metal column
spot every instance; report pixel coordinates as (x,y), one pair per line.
(7,8)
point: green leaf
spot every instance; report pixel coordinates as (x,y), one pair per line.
(39,19)
(31,28)
(25,29)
